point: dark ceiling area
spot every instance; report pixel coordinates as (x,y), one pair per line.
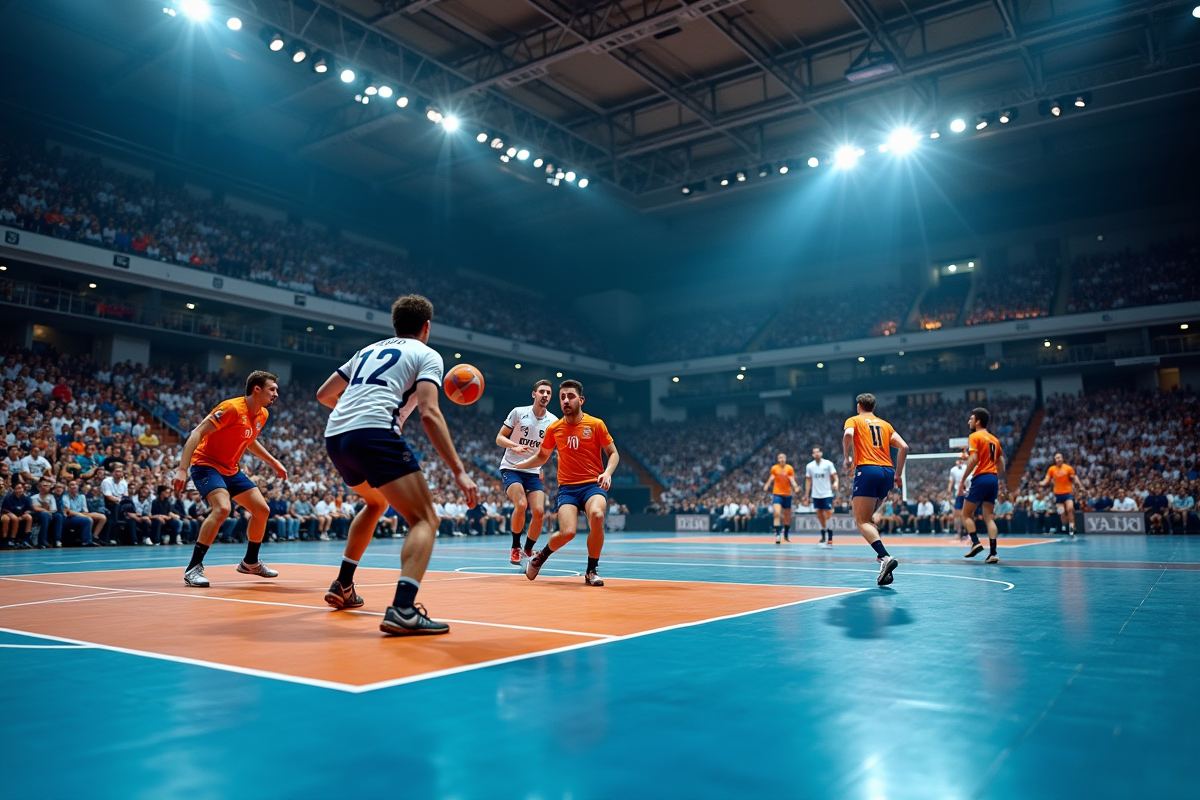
(644,100)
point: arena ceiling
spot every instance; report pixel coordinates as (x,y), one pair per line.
(642,98)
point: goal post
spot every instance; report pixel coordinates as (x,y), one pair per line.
(926,473)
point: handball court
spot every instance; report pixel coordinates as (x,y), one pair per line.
(708,666)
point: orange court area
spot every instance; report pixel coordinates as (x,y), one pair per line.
(282,628)
(810,538)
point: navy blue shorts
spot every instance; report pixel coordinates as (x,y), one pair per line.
(871,480)
(958,501)
(782,500)
(206,479)
(578,494)
(983,489)
(823,503)
(374,455)
(1060,499)
(530,481)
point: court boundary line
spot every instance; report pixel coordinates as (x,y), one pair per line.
(893,543)
(389,683)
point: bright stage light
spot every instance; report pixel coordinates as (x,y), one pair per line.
(1196,12)
(814,162)
(583,183)
(981,122)
(450,123)
(724,181)
(481,138)
(741,176)
(276,43)
(433,115)
(321,65)
(902,141)
(934,134)
(233,23)
(298,54)
(958,125)
(198,10)
(845,157)
(522,154)
(347,75)
(402,101)
(510,152)
(570,176)
(385,92)
(371,90)
(953,268)
(537,162)
(783,169)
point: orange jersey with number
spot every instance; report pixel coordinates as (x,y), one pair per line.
(1062,477)
(580,448)
(783,478)
(987,448)
(223,448)
(872,440)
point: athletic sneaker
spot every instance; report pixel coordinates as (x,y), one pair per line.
(343,597)
(415,623)
(592,579)
(535,566)
(260,569)
(525,559)
(975,550)
(195,577)
(787,538)
(515,556)
(992,559)
(886,568)
(777,538)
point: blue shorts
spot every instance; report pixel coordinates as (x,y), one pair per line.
(958,501)
(871,480)
(530,481)
(374,455)
(1062,498)
(578,494)
(782,500)
(206,479)
(983,489)
(823,503)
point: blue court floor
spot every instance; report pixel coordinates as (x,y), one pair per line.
(1067,670)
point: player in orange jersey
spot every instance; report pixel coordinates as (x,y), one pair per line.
(213,452)
(985,465)
(781,483)
(587,459)
(867,443)
(1065,482)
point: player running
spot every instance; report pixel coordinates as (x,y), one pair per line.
(584,477)
(372,395)
(521,436)
(985,464)
(820,485)
(211,456)
(866,448)
(1065,481)
(956,489)
(781,483)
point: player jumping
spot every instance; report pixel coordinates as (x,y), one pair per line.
(521,436)
(584,477)
(820,485)
(781,483)
(985,464)
(371,396)
(1065,480)
(866,448)
(211,456)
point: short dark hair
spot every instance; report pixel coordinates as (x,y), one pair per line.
(571,383)
(259,379)
(866,400)
(410,313)
(542,382)
(981,416)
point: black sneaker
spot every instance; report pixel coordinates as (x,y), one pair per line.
(886,568)
(975,550)
(592,579)
(535,565)
(416,623)
(343,597)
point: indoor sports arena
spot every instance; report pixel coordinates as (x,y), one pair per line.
(570,399)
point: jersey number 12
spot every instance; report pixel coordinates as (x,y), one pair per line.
(389,357)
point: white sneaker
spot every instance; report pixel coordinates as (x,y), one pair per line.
(58,544)
(146,540)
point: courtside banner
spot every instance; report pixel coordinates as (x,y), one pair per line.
(692,522)
(1113,522)
(838,522)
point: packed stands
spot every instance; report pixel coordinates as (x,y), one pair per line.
(1020,291)
(942,304)
(1168,272)
(704,333)
(829,319)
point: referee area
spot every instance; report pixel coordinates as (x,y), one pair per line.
(705,662)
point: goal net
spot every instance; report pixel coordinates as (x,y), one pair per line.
(928,475)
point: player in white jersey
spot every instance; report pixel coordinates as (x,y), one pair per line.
(371,395)
(820,485)
(521,437)
(956,478)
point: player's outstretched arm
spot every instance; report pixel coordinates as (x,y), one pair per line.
(439,436)
(257,449)
(502,440)
(331,390)
(897,441)
(179,483)
(1045,480)
(538,459)
(614,458)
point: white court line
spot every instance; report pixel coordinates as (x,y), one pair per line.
(45,646)
(115,594)
(890,543)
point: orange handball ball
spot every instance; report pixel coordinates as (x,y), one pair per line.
(463,384)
